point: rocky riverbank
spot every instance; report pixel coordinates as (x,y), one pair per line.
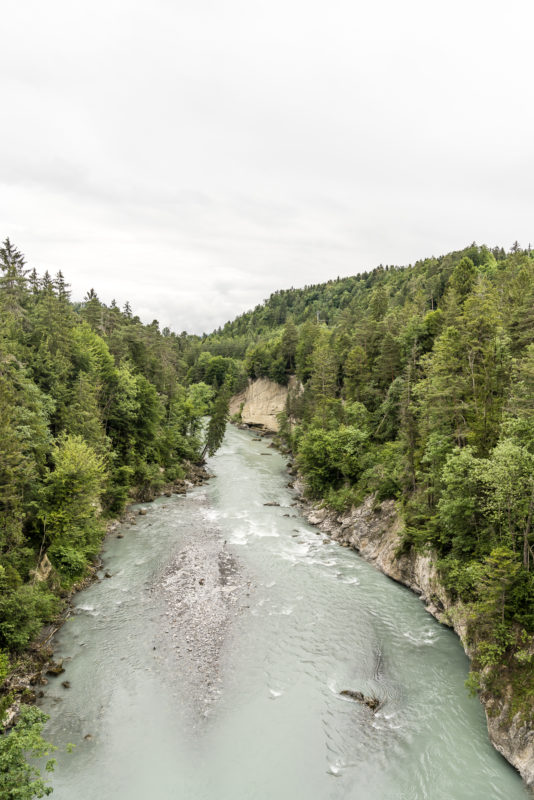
(201,591)
(374,531)
(30,669)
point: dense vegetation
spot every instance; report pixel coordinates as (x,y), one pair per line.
(95,409)
(418,385)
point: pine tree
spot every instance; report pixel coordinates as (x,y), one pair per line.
(218,420)
(289,344)
(92,311)
(13,289)
(463,278)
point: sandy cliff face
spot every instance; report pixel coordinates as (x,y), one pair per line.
(261,401)
(375,534)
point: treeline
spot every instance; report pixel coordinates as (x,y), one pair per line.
(418,385)
(95,408)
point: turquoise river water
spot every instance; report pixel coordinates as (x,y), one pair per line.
(209,665)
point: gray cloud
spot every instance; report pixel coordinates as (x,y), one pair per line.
(194,157)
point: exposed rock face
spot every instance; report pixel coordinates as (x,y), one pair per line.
(375,534)
(43,570)
(514,740)
(260,402)
(372,702)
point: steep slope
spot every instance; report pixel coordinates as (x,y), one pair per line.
(418,387)
(261,403)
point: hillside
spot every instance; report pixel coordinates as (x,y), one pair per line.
(413,385)
(419,387)
(94,412)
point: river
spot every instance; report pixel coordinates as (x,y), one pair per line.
(209,665)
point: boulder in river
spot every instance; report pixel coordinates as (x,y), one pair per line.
(271,504)
(142,512)
(56,668)
(372,702)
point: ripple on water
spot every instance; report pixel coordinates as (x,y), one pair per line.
(320,621)
(87,609)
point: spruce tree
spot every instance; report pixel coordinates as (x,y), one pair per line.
(218,420)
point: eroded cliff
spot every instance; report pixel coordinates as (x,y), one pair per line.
(261,402)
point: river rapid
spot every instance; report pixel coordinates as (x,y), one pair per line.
(209,665)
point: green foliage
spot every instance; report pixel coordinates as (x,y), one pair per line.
(93,408)
(23,611)
(418,385)
(342,499)
(4,666)
(463,277)
(330,457)
(214,370)
(148,479)
(500,574)
(72,495)
(218,420)
(20,780)
(472,683)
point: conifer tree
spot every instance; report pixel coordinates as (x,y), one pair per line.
(289,344)
(218,421)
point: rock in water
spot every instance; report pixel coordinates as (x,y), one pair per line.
(56,669)
(371,702)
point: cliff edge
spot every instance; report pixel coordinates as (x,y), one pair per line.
(260,403)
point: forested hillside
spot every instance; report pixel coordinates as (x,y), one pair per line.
(94,410)
(418,385)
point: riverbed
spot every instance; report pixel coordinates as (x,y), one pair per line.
(209,665)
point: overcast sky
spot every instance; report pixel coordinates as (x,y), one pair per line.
(193,156)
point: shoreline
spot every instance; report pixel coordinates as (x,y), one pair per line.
(34,663)
(373,532)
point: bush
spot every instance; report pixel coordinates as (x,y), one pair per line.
(4,666)
(175,473)
(342,499)
(116,495)
(19,780)
(148,480)
(68,560)
(22,614)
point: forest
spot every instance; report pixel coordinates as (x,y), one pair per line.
(418,385)
(415,383)
(95,411)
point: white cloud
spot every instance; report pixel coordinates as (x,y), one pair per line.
(194,157)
